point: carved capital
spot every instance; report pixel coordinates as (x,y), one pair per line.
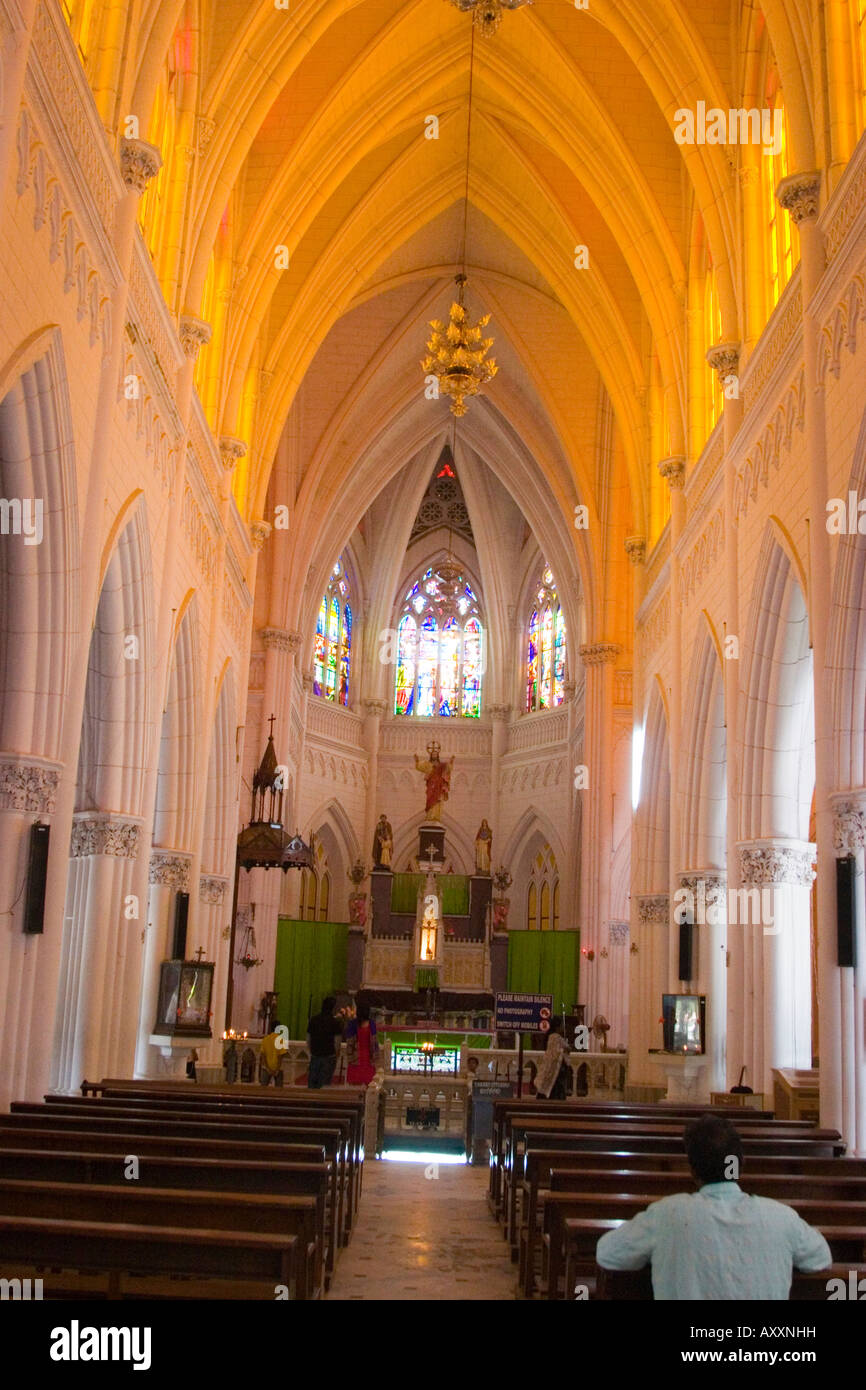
(231,450)
(499,713)
(800,194)
(599,653)
(653,908)
(724,359)
(194,334)
(764,864)
(212,890)
(673,470)
(259,532)
(277,638)
(376,709)
(139,163)
(170,869)
(749,177)
(618,933)
(635,549)
(99,834)
(27,787)
(849,824)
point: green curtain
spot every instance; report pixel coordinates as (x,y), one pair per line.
(453,893)
(311,962)
(545,962)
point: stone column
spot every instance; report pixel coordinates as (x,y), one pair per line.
(647,982)
(596,822)
(673,470)
(850,839)
(618,975)
(95,1035)
(168,875)
(212,932)
(499,715)
(139,163)
(374,712)
(708,890)
(725,360)
(635,549)
(777,876)
(800,195)
(28,793)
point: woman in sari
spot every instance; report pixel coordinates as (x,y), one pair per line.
(551,1079)
(362,1048)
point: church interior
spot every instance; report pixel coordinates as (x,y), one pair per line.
(433,468)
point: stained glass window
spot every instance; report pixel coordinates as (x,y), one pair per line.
(332,653)
(542,896)
(440,648)
(545,647)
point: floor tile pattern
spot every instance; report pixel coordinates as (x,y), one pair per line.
(424,1232)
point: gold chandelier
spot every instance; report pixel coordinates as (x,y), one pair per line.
(456,354)
(487,14)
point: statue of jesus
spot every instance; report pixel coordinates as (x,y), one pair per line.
(437,776)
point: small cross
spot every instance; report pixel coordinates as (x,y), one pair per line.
(271,722)
(431,851)
(199,953)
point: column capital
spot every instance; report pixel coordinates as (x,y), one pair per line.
(100,833)
(776,861)
(599,653)
(170,867)
(653,907)
(849,822)
(259,532)
(635,549)
(194,334)
(710,878)
(212,889)
(231,450)
(724,358)
(499,713)
(278,639)
(139,163)
(673,470)
(375,708)
(800,194)
(618,933)
(26,786)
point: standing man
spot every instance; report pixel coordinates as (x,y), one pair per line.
(323,1033)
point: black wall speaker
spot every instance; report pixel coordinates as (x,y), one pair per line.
(687,937)
(181,917)
(845,946)
(37,874)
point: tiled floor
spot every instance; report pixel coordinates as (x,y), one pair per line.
(424,1232)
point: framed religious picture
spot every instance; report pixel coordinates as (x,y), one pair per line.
(184,998)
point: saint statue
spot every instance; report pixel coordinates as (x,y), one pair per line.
(483,844)
(383,843)
(437,776)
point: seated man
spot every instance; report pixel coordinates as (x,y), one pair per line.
(717,1243)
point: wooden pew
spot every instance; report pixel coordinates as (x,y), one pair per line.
(184,1209)
(144,1144)
(253,1109)
(632,1285)
(258,1106)
(139,1260)
(842,1224)
(773,1137)
(504,1106)
(204,1175)
(582,1172)
(351,1104)
(104,1123)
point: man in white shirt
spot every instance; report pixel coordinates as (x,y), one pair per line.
(717,1243)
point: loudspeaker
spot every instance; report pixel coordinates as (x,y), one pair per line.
(845,941)
(181,917)
(686,951)
(37,874)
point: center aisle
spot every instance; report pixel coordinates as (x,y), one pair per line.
(424,1237)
